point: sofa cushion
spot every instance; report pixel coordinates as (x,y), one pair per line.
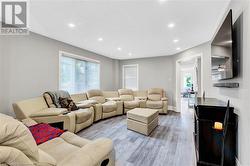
(94,92)
(58,148)
(154,97)
(110,94)
(15,134)
(43,132)
(82,115)
(78,97)
(109,106)
(126,94)
(49,112)
(131,104)
(140,93)
(154,104)
(91,154)
(155,94)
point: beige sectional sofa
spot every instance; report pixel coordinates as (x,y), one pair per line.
(38,110)
(18,147)
(95,105)
(156,99)
(105,107)
(129,102)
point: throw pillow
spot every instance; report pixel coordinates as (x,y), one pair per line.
(68,103)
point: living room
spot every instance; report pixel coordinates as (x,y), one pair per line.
(121,63)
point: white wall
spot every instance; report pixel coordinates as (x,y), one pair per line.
(31,66)
(1,76)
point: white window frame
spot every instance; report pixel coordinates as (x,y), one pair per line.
(75,56)
(137,73)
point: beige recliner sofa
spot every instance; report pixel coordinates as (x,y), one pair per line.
(156,99)
(18,147)
(38,110)
(105,107)
(129,102)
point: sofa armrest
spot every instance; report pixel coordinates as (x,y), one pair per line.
(113,99)
(91,154)
(45,159)
(69,120)
(86,103)
(141,98)
(29,122)
(49,112)
(164,99)
(12,157)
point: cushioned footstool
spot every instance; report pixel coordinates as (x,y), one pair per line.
(142,120)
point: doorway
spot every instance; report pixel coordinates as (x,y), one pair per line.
(189,81)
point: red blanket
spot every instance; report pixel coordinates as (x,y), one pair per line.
(43,132)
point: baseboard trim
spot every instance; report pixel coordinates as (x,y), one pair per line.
(172,108)
(237,162)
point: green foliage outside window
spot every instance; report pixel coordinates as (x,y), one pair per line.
(188,81)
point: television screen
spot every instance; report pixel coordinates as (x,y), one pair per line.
(221,49)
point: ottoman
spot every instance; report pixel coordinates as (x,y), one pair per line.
(142,120)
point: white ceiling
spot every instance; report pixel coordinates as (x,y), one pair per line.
(139,27)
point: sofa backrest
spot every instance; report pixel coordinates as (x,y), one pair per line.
(155,94)
(79,97)
(52,97)
(140,93)
(96,95)
(23,109)
(110,94)
(16,135)
(126,94)
(49,100)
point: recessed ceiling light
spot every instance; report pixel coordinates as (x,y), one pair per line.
(100,39)
(175,40)
(130,54)
(71,25)
(178,48)
(171,25)
(119,48)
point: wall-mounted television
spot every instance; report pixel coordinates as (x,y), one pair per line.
(222,51)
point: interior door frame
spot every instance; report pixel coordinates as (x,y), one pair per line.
(178,75)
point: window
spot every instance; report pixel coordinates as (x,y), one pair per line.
(130,77)
(78,74)
(188,81)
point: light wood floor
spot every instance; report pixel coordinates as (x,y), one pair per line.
(170,144)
